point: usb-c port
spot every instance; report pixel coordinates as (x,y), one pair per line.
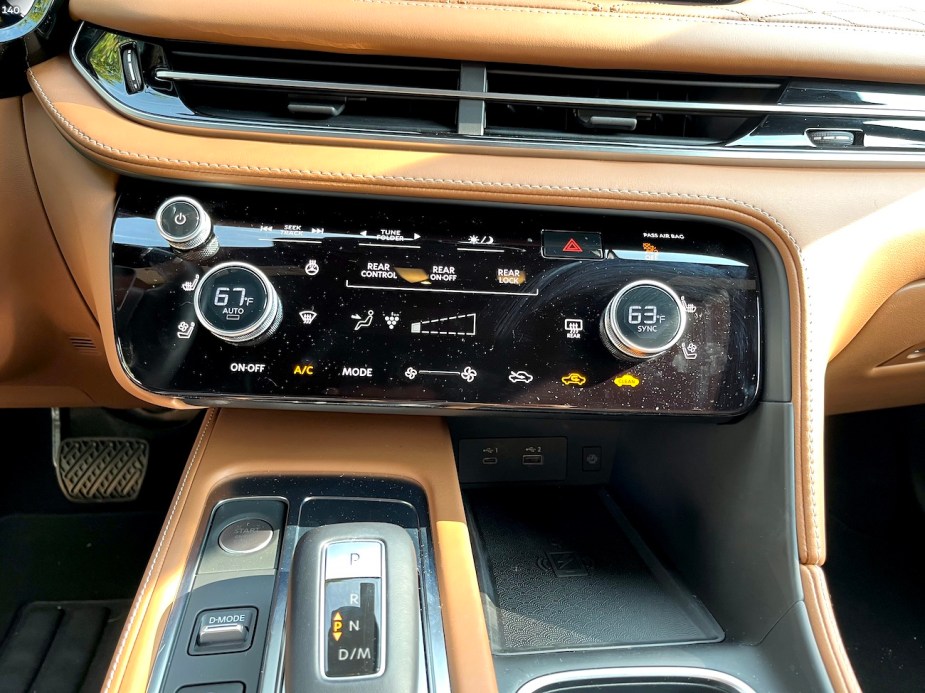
(532,460)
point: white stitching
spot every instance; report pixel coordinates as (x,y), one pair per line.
(410,179)
(194,462)
(620,14)
(810,410)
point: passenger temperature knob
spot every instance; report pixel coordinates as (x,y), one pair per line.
(237,303)
(644,319)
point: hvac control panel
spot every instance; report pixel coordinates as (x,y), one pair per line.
(306,299)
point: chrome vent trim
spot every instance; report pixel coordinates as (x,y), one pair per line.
(890,119)
(712,108)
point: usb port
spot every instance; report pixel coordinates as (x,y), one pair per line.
(489,460)
(532,460)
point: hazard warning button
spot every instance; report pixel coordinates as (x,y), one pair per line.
(572,246)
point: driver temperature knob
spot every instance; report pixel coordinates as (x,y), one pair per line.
(237,303)
(644,319)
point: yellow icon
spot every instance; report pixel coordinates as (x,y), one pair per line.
(574,378)
(649,248)
(413,275)
(337,626)
(304,370)
(626,380)
(511,276)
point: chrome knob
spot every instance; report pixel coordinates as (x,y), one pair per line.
(237,303)
(184,224)
(644,319)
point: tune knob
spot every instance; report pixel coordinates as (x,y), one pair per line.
(237,303)
(644,319)
(184,224)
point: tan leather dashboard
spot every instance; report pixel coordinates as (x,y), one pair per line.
(818,38)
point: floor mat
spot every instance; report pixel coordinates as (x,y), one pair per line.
(62,647)
(63,562)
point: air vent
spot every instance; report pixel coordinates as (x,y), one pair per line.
(305,89)
(587,107)
(402,99)
(433,98)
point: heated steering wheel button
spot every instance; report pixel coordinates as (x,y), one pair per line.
(224,630)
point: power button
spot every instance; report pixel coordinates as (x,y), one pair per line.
(183,223)
(179,219)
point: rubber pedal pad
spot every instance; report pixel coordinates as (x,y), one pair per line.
(101,470)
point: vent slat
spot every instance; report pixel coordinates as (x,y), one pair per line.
(647,106)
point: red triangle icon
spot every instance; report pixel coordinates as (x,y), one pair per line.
(572,247)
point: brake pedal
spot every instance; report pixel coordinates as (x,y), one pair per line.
(99,470)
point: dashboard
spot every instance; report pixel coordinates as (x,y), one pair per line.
(611,227)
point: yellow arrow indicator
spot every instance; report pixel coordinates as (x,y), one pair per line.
(338,617)
(337,637)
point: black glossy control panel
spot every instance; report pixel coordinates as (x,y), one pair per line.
(313,299)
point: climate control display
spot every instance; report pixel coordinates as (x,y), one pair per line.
(644,319)
(313,299)
(237,303)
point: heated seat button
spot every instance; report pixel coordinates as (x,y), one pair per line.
(353,615)
(219,631)
(566,245)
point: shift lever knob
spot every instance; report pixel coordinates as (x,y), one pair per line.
(354,615)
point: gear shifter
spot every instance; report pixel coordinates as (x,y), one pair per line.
(354,618)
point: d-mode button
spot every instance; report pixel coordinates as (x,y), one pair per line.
(224,630)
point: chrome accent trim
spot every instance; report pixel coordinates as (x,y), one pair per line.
(544,100)
(643,674)
(25,26)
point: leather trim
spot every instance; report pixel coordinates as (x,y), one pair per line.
(133,632)
(243,443)
(862,39)
(79,199)
(825,630)
(857,380)
(41,309)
